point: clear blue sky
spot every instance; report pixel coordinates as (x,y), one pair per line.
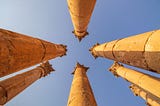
(50,20)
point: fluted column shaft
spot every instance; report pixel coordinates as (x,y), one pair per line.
(18,51)
(147,82)
(150,99)
(11,87)
(80,11)
(81,93)
(141,50)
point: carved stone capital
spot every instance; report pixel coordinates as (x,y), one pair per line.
(80,35)
(65,48)
(134,89)
(114,68)
(80,66)
(47,68)
(92,50)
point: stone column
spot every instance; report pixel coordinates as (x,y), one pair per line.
(150,99)
(18,51)
(141,50)
(80,11)
(81,93)
(146,82)
(11,87)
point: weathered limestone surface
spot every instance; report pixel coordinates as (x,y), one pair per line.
(141,50)
(18,51)
(81,93)
(150,99)
(11,87)
(81,11)
(146,82)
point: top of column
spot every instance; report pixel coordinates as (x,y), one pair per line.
(80,35)
(81,67)
(141,50)
(92,50)
(19,51)
(114,67)
(47,68)
(80,12)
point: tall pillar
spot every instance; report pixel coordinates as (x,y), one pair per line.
(147,82)
(150,99)
(18,51)
(141,50)
(11,87)
(81,92)
(80,11)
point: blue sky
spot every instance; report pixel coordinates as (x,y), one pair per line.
(50,20)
